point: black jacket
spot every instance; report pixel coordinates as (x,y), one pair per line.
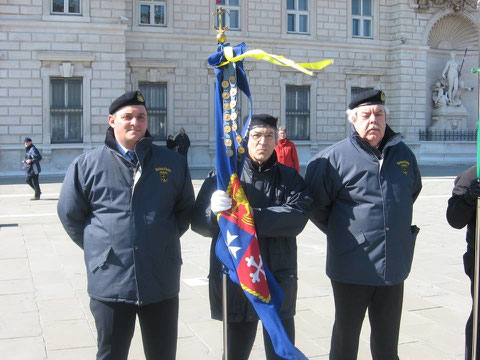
(32,153)
(279,198)
(183,143)
(128,220)
(462,211)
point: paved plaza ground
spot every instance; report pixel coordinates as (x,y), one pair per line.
(44,307)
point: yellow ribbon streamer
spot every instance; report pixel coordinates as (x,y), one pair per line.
(274,59)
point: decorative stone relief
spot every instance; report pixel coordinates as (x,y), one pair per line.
(456,5)
(66,69)
(453,32)
(153,75)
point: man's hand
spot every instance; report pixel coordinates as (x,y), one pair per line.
(220,201)
(474,190)
(28,161)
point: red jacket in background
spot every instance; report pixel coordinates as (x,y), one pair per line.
(287,153)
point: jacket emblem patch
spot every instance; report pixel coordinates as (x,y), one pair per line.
(404,165)
(163,172)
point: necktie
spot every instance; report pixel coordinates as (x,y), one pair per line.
(132,157)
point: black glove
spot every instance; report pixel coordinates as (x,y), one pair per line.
(473,191)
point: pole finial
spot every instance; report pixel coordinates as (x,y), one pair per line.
(221,38)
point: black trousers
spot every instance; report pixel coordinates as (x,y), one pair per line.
(241,336)
(384,304)
(469,330)
(115,324)
(32,180)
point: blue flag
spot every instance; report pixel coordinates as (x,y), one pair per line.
(237,245)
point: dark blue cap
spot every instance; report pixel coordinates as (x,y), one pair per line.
(369,97)
(27,139)
(263,120)
(129,98)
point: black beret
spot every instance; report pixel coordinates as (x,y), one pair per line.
(27,139)
(129,98)
(369,97)
(263,120)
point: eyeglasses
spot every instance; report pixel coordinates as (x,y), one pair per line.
(258,136)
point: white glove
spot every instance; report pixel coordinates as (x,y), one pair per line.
(220,201)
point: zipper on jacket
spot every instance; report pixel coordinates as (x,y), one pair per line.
(380,163)
(379,178)
(136,177)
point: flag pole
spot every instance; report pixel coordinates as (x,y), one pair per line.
(477,246)
(221,40)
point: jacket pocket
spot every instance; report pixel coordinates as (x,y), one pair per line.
(345,245)
(98,261)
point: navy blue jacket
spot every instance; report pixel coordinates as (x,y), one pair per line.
(32,153)
(128,220)
(363,201)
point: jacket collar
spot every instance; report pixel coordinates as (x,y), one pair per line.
(390,138)
(272,160)
(141,148)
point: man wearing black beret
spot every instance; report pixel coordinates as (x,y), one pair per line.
(363,189)
(126,204)
(280,202)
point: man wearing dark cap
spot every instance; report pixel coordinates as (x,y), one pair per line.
(363,189)
(32,167)
(280,202)
(126,204)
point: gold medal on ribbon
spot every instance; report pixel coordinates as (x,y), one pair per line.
(231,79)
(225,84)
(241,149)
(228,142)
(226,106)
(227,129)
(226,117)
(225,95)
(234,127)
(239,139)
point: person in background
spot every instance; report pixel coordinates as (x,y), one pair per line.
(31,165)
(182,141)
(170,143)
(126,204)
(286,151)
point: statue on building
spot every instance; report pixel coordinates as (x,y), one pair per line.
(448,112)
(450,73)
(460,91)
(438,95)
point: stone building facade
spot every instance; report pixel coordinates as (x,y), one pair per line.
(62,62)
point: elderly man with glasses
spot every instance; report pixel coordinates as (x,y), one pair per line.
(280,202)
